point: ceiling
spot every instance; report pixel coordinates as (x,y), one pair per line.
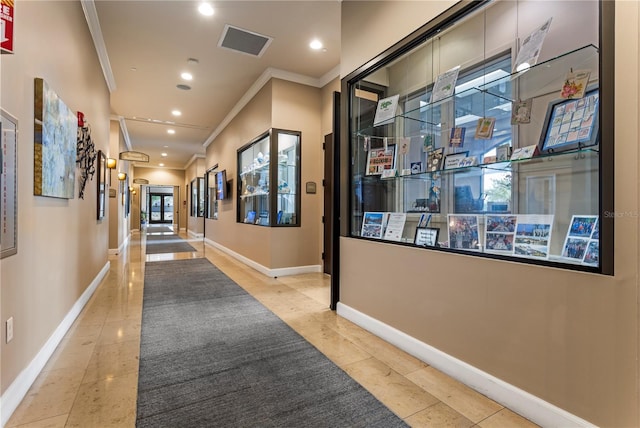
(144,46)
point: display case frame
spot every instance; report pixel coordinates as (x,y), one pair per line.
(599,156)
(268,191)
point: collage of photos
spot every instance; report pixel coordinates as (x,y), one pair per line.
(500,232)
(572,121)
(582,241)
(463,232)
(533,236)
(372,225)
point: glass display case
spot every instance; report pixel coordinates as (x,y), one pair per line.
(269,180)
(506,164)
(197,197)
(211,201)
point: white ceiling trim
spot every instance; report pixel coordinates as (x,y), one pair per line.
(91,15)
(268,74)
(193,159)
(125,133)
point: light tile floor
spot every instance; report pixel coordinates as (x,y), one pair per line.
(92,378)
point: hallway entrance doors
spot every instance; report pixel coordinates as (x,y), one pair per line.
(160,208)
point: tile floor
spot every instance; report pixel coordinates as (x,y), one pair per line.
(91,380)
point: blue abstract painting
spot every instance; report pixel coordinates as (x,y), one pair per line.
(55,137)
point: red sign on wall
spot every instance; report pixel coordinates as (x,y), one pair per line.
(6,26)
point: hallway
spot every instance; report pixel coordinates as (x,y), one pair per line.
(91,380)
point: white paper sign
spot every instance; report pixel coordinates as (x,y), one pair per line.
(445,85)
(386,110)
(530,49)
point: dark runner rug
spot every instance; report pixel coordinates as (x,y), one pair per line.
(172,243)
(158,229)
(213,356)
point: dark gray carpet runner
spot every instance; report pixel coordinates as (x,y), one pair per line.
(167,243)
(213,356)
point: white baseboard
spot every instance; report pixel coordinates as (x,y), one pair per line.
(121,248)
(531,407)
(196,234)
(273,273)
(20,386)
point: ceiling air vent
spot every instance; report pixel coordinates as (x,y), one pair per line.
(243,41)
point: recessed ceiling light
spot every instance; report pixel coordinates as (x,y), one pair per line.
(171,131)
(315,44)
(176,112)
(183,87)
(186,76)
(205,9)
(166,147)
(133,69)
(164,155)
(161,164)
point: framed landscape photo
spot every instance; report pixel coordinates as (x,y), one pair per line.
(426,236)
(571,123)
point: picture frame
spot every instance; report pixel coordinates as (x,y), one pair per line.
(571,123)
(434,160)
(463,232)
(380,159)
(9,180)
(453,161)
(426,236)
(372,225)
(101,185)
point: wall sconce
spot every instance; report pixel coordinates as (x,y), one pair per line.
(111,165)
(122,176)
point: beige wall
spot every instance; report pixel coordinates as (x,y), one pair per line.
(167,177)
(195,169)
(119,224)
(61,246)
(285,105)
(566,337)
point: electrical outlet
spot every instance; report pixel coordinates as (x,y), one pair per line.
(9,329)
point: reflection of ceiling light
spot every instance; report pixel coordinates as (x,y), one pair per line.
(176,112)
(205,9)
(522,67)
(160,164)
(315,44)
(164,155)
(186,76)
(171,131)
(166,147)
(479,81)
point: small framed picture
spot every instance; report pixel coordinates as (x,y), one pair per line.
(453,161)
(426,236)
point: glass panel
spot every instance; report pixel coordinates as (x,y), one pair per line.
(491,180)
(156,208)
(253,165)
(288,192)
(201,191)
(167,208)
(212,202)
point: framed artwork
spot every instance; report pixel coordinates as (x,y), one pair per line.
(102,184)
(426,236)
(434,160)
(55,140)
(571,123)
(381,159)
(9,181)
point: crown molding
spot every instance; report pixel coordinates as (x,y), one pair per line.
(125,132)
(91,15)
(266,76)
(194,158)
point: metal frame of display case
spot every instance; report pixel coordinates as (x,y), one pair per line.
(274,193)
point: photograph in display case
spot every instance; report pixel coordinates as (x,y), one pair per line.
(533,235)
(592,253)
(500,233)
(521,111)
(381,159)
(426,236)
(571,123)
(372,225)
(463,232)
(579,237)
